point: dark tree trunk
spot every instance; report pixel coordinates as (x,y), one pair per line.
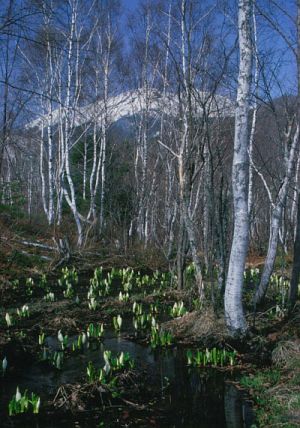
(296,262)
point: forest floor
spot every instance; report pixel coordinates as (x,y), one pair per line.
(269,359)
(134,394)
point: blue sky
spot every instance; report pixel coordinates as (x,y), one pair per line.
(271,41)
(130,4)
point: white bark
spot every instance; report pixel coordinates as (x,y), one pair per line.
(94,177)
(104,139)
(103,66)
(51,75)
(50,171)
(142,149)
(69,120)
(234,313)
(29,192)
(84,169)
(254,110)
(207,212)
(42,172)
(46,85)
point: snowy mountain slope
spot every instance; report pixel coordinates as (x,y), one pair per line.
(133,103)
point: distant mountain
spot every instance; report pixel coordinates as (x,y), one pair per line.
(126,106)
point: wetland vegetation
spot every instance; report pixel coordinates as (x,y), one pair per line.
(142,360)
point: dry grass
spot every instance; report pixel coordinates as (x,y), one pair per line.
(198,325)
(286,352)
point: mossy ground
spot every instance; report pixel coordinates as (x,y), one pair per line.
(276,394)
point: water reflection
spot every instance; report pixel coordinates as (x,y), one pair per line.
(238,412)
(187,397)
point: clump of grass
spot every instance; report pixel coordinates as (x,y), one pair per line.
(286,354)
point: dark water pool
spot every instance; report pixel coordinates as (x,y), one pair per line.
(185,397)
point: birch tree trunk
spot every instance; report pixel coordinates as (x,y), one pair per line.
(186,138)
(29,191)
(221,237)
(234,313)
(94,177)
(43,189)
(275,222)
(206,208)
(253,125)
(105,39)
(46,83)
(51,77)
(71,199)
(181,250)
(103,142)
(146,84)
(84,169)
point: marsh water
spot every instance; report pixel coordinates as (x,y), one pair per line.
(185,397)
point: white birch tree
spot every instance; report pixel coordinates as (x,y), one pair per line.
(234,313)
